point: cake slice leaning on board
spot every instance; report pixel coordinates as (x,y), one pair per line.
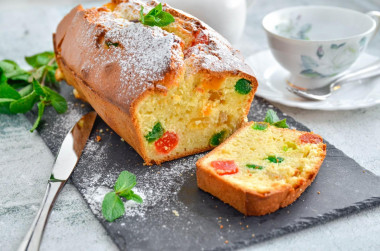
(261,168)
(169,91)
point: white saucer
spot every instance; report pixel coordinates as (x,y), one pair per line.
(272,86)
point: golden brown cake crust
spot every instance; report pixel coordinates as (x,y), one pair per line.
(114,80)
(249,202)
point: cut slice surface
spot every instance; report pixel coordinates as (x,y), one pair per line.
(274,166)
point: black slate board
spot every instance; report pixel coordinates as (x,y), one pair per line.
(344,186)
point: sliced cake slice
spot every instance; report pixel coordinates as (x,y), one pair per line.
(261,168)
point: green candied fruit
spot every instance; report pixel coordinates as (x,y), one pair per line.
(243,86)
(253,166)
(275,159)
(289,145)
(156,133)
(218,138)
(260,126)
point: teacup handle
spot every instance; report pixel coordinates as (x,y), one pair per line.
(376,16)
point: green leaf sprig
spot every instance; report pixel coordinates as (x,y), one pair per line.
(20,90)
(113,206)
(272,118)
(156,17)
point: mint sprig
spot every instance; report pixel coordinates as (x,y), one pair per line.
(20,90)
(156,17)
(113,206)
(272,118)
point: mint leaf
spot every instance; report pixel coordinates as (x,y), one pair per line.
(136,197)
(218,138)
(142,15)
(156,133)
(125,183)
(6,100)
(40,59)
(3,78)
(243,86)
(260,126)
(38,88)
(156,17)
(275,159)
(6,91)
(281,124)
(26,90)
(253,166)
(272,118)
(50,75)
(57,101)
(41,109)
(24,104)
(13,72)
(132,196)
(112,207)
(4,108)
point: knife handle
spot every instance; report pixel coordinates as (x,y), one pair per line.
(33,238)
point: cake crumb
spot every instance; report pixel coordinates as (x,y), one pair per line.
(221,226)
(121,139)
(175,212)
(98,138)
(318,192)
(226,241)
(247,226)
(253,235)
(82,105)
(107,129)
(101,130)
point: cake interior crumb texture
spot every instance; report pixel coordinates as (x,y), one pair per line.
(263,162)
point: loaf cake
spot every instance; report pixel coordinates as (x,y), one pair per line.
(168,91)
(261,168)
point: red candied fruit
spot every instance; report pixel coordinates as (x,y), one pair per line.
(310,138)
(166,143)
(223,167)
(200,38)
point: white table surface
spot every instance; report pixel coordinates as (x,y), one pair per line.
(25,161)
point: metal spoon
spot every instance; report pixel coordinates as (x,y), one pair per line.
(324,92)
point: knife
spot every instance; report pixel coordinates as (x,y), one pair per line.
(67,158)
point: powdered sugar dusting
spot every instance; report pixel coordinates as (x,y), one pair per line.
(157,185)
(144,54)
(121,57)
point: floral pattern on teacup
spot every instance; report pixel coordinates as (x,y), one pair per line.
(293,28)
(331,60)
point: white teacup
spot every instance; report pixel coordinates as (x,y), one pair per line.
(225,16)
(317,43)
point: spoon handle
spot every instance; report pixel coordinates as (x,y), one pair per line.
(365,72)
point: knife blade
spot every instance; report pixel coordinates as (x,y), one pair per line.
(67,158)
